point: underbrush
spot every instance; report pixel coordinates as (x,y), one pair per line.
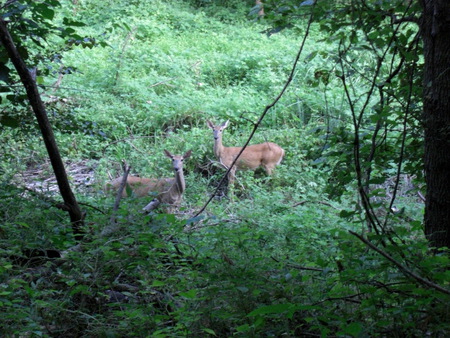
(255,265)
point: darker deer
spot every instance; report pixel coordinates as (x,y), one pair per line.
(169,190)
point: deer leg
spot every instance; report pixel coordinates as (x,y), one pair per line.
(231,176)
(268,169)
(261,11)
(152,205)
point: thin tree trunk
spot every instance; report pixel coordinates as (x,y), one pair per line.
(70,203)
(435,30)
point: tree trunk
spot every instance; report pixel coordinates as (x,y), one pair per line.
(435,30)
(70,203)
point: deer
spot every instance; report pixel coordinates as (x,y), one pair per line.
(169,190)
(266,155)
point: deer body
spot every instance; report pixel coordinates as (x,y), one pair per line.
(169,190)
(140,186)
(266,155)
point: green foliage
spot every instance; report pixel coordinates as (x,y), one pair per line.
(40,37)
(376,66)
(273,258)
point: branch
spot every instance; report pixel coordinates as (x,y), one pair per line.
(113,227)
(126,171)
(405,19)
(402,268)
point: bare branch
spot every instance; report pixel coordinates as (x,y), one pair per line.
(401,267)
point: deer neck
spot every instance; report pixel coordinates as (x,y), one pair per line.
(179,185)
(218,147)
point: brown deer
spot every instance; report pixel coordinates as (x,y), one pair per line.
(266,155)
(261,7)
(169,190)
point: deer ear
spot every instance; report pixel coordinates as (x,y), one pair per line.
(188,154)
(168,154)
(210,124)
(225,124)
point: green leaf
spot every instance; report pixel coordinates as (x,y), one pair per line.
(158,283)
(211,332)
(271,309)
(128,190)
(377,180)
(194,219)
(191,294)
(73,23)
(46,11)
(9,121)
(346,213)
(353,329)
(243,328)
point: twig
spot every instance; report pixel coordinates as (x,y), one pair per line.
(421,196)
(91,206)
(162,82)
(319,202)
(113,227)
(402,268)
(298,267)
(346,299)
(125,287)
(126,171)
(221,222)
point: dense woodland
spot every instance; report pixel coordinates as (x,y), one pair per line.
(347,236)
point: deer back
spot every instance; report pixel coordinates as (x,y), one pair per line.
(267,154)
(140,186)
